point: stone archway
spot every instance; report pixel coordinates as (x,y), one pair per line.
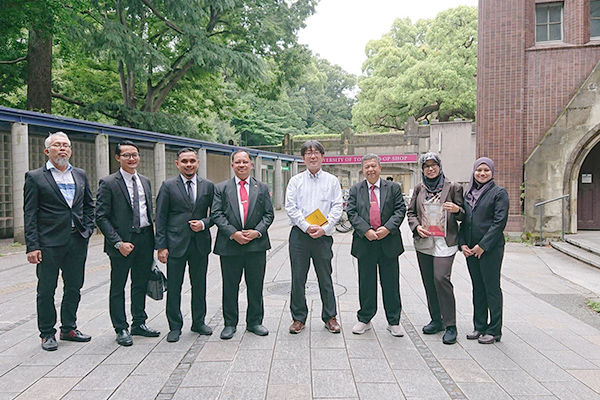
(572,170)
(552,169)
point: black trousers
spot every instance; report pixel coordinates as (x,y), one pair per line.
(435,273)
(139,262)
(70,259)
(389,278)
(197,265)
(303,248)
(252,265)
(487,293)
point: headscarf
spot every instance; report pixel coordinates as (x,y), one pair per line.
(476,189)
(433,185)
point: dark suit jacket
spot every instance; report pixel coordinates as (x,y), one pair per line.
(48,216)
(225,213)
(484,225)
(450,192)
(114,214)
(392,209)
(173,211)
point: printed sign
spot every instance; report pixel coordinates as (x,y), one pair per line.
(390,158)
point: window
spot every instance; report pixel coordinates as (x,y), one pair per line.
(595,18)
(548,22)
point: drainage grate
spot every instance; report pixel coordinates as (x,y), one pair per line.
(282,289)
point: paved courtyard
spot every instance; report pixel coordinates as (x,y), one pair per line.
(550,346)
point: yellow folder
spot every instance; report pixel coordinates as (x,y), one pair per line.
(316,218)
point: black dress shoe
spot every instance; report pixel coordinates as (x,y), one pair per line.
(143,330)
(433,327)
(227,332)
(124,338)
(173,336)
(74,335)
(49,343)
(259,330)
(489,339)
(474,335)
(450,335)
(202,329)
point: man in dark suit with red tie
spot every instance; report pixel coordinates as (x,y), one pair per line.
(59,219)
(376,209)
(183,236)
(243,211)
(124,215)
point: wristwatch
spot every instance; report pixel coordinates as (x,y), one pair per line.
(118,245)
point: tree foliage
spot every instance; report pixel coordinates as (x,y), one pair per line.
(427,69)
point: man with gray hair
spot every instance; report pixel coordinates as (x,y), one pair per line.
(376,209)
(59,219)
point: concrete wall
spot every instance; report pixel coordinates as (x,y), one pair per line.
(553,168)
(455,142)
(218,167)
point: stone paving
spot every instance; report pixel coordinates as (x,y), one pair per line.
(550,346)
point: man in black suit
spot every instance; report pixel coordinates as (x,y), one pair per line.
(124,215)
(243,211)
(376,209)
(183,236)
(59,219)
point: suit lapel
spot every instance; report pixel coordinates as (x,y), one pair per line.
(252,195)
(121,184)
(232,194)
(79,185)
(364,193)
(52,182)
(383,191)
(148,195)
(184,193)
(445,191)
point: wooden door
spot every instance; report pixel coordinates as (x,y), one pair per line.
(588,192)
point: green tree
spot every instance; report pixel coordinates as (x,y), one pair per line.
(427,69)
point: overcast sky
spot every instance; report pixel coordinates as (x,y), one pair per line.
(340,29)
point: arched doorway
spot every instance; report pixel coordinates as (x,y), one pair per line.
(588,191)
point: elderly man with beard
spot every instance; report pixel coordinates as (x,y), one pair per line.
(59,219)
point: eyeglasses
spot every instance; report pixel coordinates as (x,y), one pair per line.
(61,145)
(130,156)
(312,153)
(432,166)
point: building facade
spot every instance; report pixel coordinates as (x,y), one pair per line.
(538,107)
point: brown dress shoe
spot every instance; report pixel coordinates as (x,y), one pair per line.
(474,335)
(333,326)
(296,327)
(489,339)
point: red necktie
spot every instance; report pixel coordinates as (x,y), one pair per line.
(374,215)
(244,199)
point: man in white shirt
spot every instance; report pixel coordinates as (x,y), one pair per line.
(306,192)
(124,215)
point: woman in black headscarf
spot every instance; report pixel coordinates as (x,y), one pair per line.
(434,253)
(481,240)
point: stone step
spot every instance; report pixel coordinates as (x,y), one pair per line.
(593,246)
(578,253)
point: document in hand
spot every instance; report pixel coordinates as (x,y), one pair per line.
(316,218)
(434,219)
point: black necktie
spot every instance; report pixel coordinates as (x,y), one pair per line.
(136,205)
(189,191)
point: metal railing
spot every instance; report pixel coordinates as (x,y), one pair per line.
(540,205)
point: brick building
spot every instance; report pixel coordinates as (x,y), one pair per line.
(538,106)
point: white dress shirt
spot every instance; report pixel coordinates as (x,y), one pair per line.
(306,192)
(377,191)
(239,196)
(127,177)
(193,187)
(64,180)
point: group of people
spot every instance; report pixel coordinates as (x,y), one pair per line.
(60,215)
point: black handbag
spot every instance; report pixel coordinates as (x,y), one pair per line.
(157,283)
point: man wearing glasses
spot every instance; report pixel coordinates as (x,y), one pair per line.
(124,215)
(59,219)
(312,191)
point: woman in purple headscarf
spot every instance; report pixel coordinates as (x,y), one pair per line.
(481,239)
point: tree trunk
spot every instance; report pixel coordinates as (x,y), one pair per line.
(39,70)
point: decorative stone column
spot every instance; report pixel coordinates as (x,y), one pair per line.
(20,165)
